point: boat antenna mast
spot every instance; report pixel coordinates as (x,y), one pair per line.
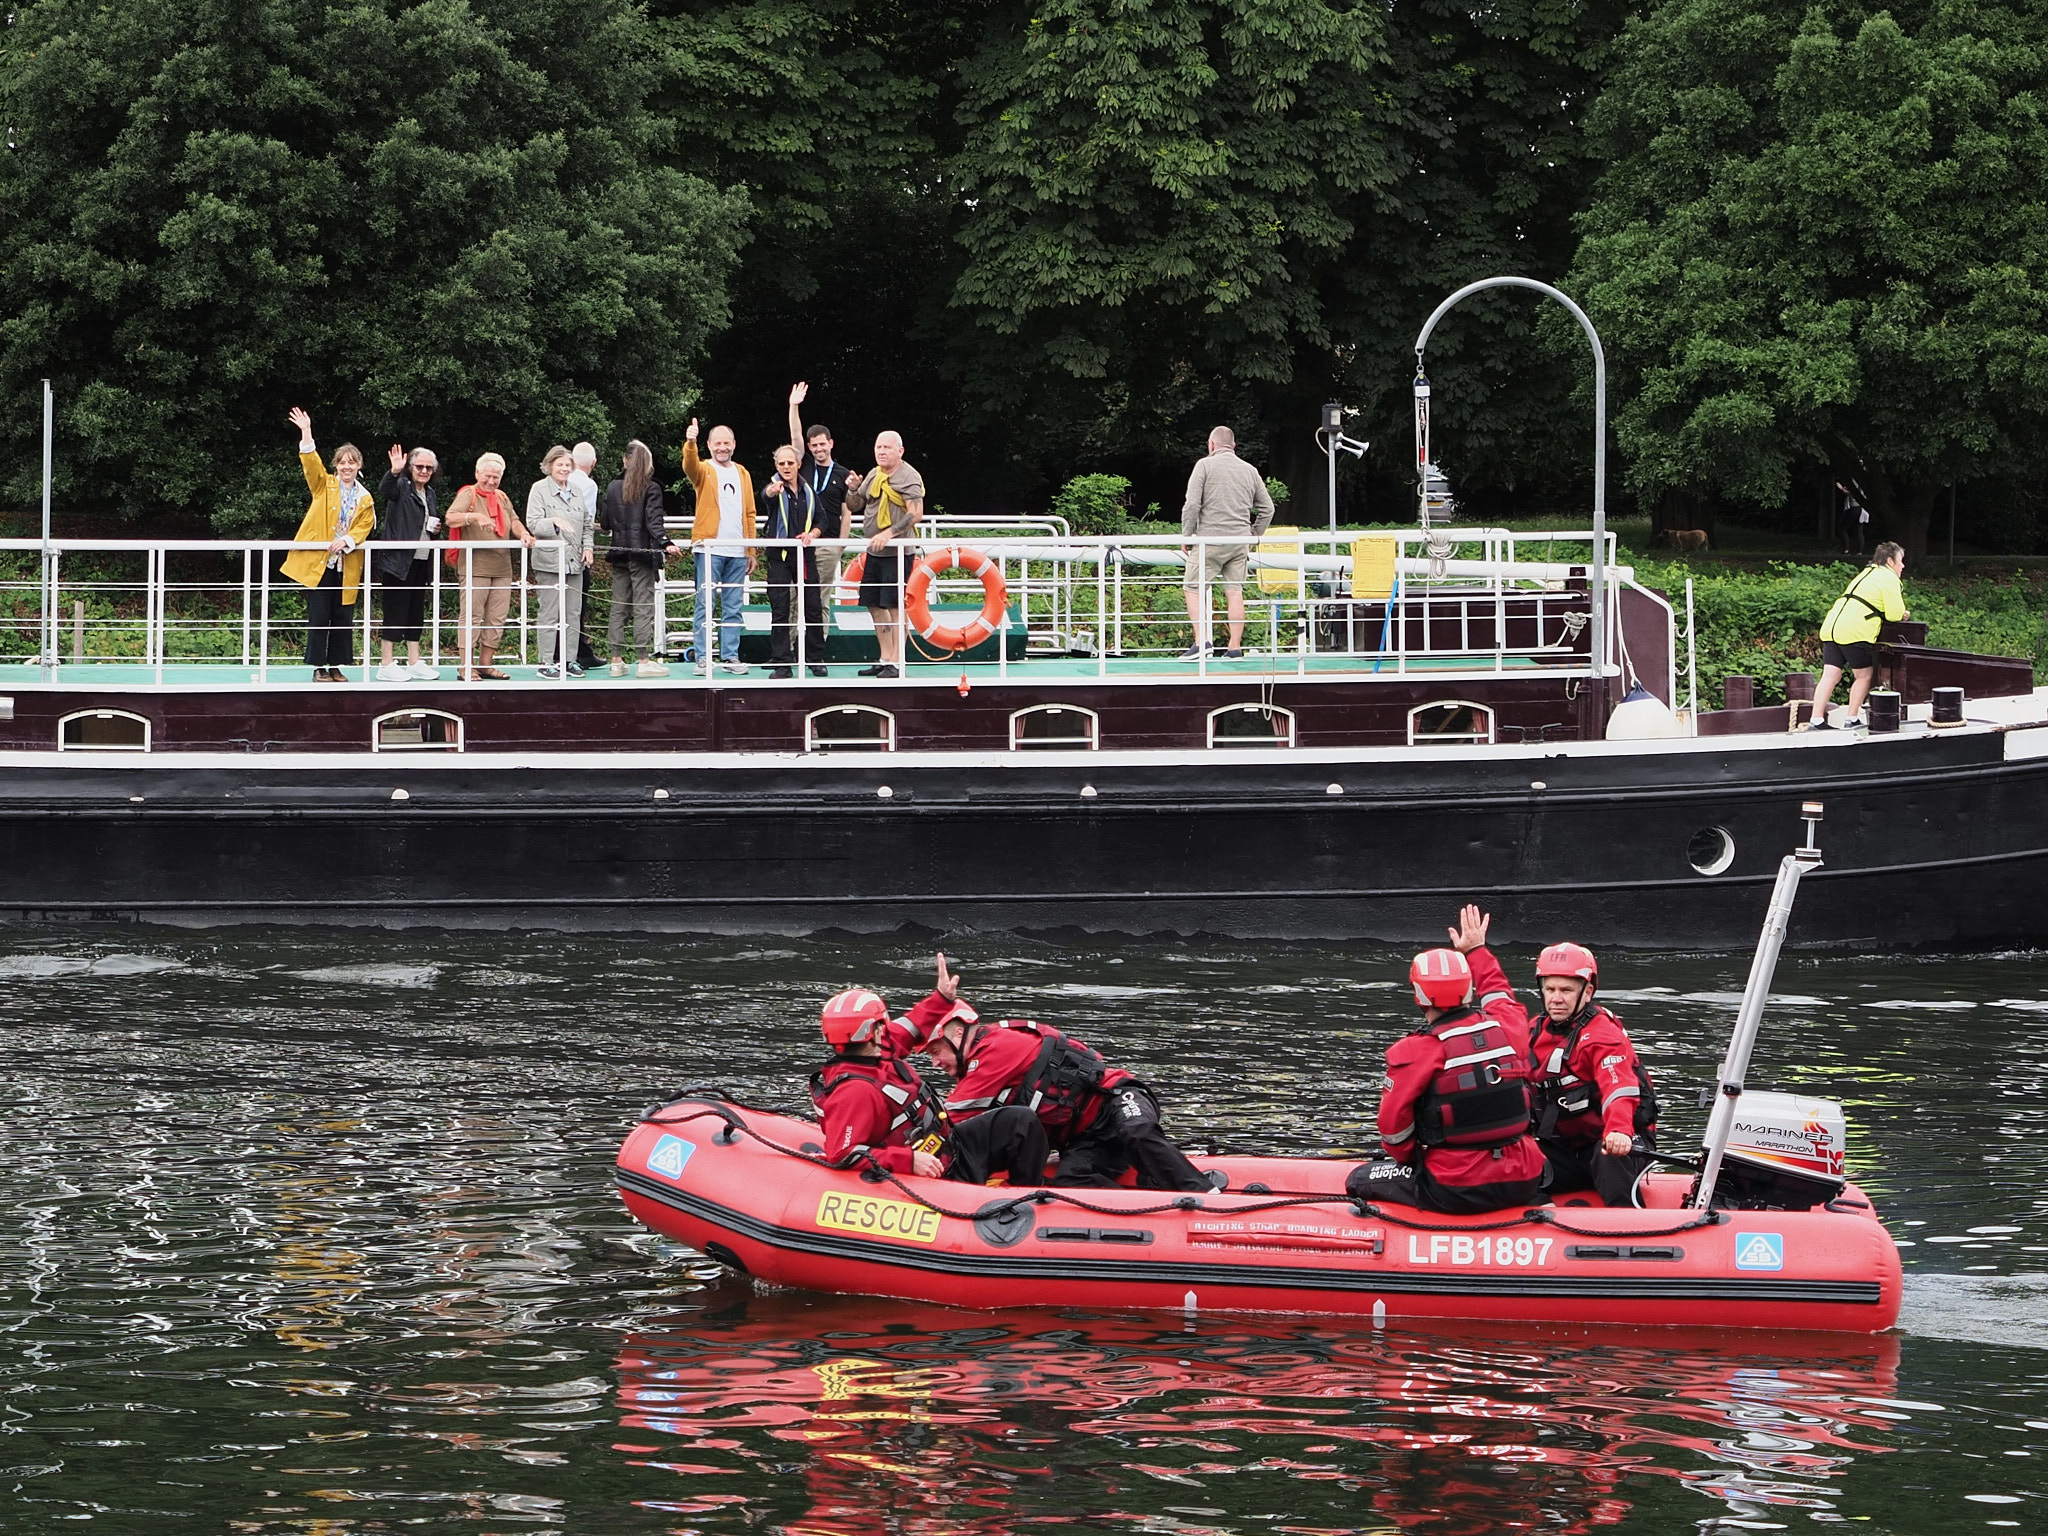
(1436,506)
(1597,596)
(1749,1018)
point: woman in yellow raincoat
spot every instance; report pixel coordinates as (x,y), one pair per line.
(340,516)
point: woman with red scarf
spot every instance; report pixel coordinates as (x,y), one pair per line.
(483,512)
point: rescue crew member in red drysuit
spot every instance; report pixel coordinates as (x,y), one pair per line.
(875,1107)
(1101,1119)
(1454,1116)
(1596,1110)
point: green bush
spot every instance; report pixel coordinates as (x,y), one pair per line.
(1763,624)
(1095,505)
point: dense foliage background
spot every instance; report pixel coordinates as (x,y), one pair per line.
(1041,240)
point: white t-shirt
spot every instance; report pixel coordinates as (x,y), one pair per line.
(732,522)
(585,487)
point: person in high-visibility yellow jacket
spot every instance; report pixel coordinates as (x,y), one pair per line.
(1848,635)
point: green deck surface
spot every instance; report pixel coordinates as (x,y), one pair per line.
(120,674)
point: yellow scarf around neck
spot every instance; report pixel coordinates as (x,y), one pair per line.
(885,496)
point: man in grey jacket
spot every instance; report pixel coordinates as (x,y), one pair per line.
(1227,499)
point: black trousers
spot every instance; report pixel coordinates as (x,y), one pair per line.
(782,582)
(587,649)
(1009,1140)
(403,604)
(1572,1168)
(1125,1134)
(1391,1183)
(330,625)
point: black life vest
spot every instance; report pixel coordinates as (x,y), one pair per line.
(1481,1097)
(1562,1095)
(916,1115)
(1063,1080)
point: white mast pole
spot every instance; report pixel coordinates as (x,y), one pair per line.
(1735,1065)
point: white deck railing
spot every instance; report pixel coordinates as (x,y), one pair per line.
(155,604)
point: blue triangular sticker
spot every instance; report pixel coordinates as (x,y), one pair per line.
(669,1155)
(1759,1250)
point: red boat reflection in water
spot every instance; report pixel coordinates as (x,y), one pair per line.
(827,1418)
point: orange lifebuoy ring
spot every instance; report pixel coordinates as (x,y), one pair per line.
(994,601)
(848,583)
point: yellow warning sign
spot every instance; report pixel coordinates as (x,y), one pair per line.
(877,1218)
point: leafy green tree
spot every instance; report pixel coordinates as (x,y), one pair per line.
(1183,209)
(421,220)
(1822,238)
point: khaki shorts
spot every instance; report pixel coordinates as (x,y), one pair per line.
(1223,563)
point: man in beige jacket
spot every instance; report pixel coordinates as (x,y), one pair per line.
(1227,499)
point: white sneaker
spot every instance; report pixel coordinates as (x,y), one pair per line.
(394,672)
(651,669)
(616,669)
(736,668)
(421,671)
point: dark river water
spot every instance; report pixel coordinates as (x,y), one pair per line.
(315,1233)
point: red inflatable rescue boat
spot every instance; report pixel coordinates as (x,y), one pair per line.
(1767,1234)
(748,1187)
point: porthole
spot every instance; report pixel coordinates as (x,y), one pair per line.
(102,730)
(850,728)
(1711,850)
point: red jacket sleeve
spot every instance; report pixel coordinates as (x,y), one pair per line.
(1607,1059)
(1498,1002)
(1001,1058)
(858,1116)
(913,1032)
(1413,1062)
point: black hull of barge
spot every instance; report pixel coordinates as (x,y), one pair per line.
(1936,839)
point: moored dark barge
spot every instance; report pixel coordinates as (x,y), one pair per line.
(1383,758)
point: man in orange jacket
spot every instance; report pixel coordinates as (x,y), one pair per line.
(719,531)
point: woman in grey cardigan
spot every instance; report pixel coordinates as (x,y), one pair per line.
(554,511)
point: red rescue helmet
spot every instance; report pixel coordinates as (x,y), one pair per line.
(1573,960)
(853,1017)
(1441,978)
(956,1013)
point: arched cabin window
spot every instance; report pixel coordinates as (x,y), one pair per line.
(1251,725)
(1452,722)
(416,730)
(850,728)
(1054,727)
(102,730)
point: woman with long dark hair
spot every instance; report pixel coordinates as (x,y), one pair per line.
(631,513)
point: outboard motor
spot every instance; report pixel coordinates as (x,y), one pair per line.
(1784,1153)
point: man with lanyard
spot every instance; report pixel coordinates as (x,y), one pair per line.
(1848,635)
(1101,1118)
(827,478)
(892,495)
(1596,1109)
(790,510)
(875,1108)
(1454,1113)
